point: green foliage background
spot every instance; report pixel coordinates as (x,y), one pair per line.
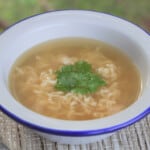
(136,11)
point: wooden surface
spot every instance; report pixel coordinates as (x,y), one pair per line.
(18,137)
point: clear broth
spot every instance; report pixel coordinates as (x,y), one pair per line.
(32,79)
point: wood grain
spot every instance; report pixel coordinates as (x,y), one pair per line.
(18,137)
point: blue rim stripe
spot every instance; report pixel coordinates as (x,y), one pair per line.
(77,133)
(106,13)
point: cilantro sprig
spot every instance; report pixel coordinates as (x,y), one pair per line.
(78,78)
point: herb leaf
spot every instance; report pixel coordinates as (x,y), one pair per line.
(78,78)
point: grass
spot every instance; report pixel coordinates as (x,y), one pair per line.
(136,11)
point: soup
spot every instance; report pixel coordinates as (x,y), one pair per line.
(34,78)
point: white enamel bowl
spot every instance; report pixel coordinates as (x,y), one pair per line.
(75,23)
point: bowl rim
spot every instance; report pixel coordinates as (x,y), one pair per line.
(75,133)
(74,10)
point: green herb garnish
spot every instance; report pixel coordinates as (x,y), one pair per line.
(78,78)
